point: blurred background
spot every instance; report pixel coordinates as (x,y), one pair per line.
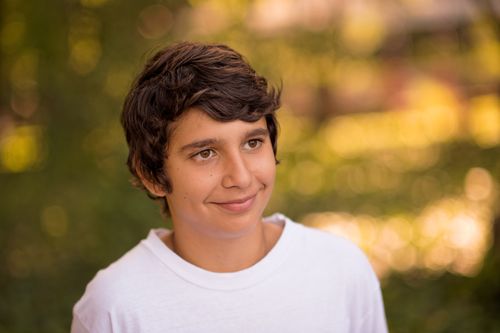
(390,137)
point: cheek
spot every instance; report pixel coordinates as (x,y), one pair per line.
(266,169)
(271,173)
(194,183)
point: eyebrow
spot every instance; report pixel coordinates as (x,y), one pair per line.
(213,141)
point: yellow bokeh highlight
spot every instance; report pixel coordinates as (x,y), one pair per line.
(451,234)
(363,29)
(484,120)
(13,31)
(20,149)
(354,135)
(354,77)
(485,54)
(435,121)
(85,54)
(425,92)
(479,184)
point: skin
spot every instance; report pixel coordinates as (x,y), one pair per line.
(222,176)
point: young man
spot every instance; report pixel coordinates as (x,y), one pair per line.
(202,136)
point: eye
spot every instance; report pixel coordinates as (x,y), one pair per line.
(253,144)
(204,155)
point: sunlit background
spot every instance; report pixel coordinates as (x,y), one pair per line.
(390,137)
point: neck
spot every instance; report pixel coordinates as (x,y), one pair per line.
(225,255)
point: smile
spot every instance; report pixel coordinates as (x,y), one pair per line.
(238,205)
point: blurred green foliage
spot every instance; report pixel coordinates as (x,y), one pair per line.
(350,72)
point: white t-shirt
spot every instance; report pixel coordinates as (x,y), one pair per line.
(310,281)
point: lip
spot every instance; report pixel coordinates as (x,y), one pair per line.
(237,205)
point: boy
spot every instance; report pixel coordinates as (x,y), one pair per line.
(202,133)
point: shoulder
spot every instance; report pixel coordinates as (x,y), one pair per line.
(330,246)
(115,287)
(336,260)
(334,255)
(313,239)
(108,281)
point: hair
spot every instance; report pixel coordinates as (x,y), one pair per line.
(210,77)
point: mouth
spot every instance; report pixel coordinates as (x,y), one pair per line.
(238,205)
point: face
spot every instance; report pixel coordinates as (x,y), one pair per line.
(222,174)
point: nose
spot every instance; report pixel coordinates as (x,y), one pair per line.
(236,172)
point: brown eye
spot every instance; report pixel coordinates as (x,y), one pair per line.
(253,144)
(205,154)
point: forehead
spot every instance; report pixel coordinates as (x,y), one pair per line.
(195,124)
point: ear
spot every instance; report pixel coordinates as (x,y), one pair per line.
(153,188)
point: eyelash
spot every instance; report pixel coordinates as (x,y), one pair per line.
(197,156)
(259,142)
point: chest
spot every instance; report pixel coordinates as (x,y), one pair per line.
(296,305)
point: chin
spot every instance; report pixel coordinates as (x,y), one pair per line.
(235,225)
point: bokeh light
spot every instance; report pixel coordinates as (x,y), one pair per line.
(21,149)
(452,234)
(154,21)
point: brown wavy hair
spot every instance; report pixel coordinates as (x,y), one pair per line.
(211,77)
